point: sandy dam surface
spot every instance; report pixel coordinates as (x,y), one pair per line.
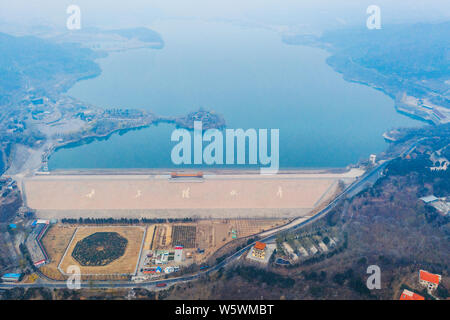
(213,196)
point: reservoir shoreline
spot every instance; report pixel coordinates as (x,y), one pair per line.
(308,155)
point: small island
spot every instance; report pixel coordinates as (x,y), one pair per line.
(209,119)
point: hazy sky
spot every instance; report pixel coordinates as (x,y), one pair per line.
(311,14)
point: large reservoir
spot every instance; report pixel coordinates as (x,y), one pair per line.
(249,76)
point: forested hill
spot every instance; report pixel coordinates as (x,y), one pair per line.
(412,58)
(30,62)
(420,50)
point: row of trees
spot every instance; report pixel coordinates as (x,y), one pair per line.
(123,220)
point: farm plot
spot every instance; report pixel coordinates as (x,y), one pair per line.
(249,227)
(183,235)
(149,237)
(163,237)
(205,236)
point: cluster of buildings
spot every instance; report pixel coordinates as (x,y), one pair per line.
(36,250)
(423,108)
(154,262)
(426,279)
(33,243)
(7,185)
(165,256)
(159,269)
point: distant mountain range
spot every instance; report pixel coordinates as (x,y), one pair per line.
(31,63)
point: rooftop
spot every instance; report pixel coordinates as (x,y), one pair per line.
(37,252)
(429,277)
(409,295)
(11,275)
(260,245)
(429,199)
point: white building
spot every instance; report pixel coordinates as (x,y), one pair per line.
(429,199)
(178,254)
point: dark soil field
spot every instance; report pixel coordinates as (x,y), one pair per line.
(184,236)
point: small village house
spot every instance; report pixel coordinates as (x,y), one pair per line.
(409,295)
(429,280)
(259,250)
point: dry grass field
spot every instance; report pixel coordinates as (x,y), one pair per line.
(213,234)
(163,237)
(149,237)
(55,242)
(124,265)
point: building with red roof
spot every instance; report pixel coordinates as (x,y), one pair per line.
(260,245)
(429,280)
(259,250)
(409,295)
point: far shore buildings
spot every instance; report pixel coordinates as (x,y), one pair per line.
(429,280)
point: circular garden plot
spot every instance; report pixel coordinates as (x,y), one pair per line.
(99,249)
